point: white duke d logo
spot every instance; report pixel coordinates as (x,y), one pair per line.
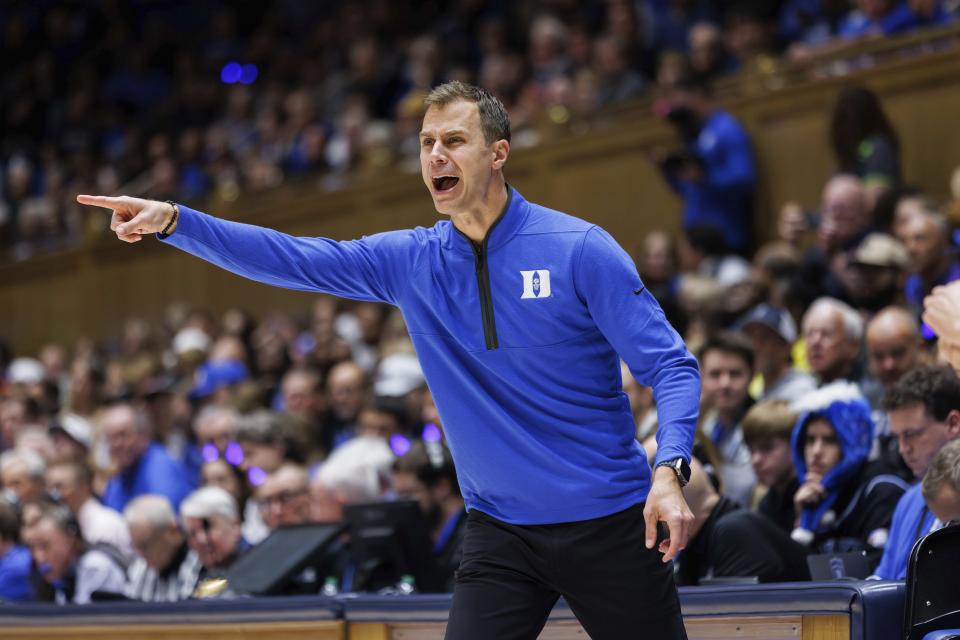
(536,284)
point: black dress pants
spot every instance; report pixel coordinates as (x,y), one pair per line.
(510,577)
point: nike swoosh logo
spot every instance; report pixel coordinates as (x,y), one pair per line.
(637,292)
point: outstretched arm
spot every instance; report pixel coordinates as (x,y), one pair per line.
(365,269)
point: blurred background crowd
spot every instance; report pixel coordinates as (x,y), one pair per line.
(145,465)
(183,99)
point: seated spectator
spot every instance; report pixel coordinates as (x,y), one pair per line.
(811,22)
(941,485)
(923,408)
(659,264)
(383,417)
(165,569)
(726,362)
(426,474)
(284,497)
(214,427)
(932,260)
(267,440)
(845,220)
(916,14)
(72,437)
(67,563)
(142,465)
(727,541)
(15,581)
(229,476)
(708,53)
(302,393)
(875,273)
(357,470)
(705,254)
(347,390)
(22,474)
(217,380)
(894,347)
(832,331)
(843,503)
(772,333)
(766,432)
(212,526)
(866,19)
(72,483)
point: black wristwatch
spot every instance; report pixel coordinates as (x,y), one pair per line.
(680,467)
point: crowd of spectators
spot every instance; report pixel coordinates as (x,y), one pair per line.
(147,464)
(188,100)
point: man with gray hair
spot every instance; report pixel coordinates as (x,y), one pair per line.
(142,465)
(22,474)
(833,330)
(165,569)
(212,525)
(519,315)
(941,485)
(357,470)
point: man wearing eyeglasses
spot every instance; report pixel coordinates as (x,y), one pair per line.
(924,412)
(284,497)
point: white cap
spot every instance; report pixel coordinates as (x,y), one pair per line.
(190,339)
(25,371)
(77,427)
(398,375)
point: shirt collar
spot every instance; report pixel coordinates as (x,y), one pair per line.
(510,221)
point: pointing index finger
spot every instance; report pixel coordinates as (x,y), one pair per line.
(107,202)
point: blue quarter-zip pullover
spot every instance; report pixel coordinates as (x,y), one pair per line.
(518,339)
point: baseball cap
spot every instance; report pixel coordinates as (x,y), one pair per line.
(212,376)
(76,427)
(25,371)
(774,318)
(398,375)
(190,339)
(881,250)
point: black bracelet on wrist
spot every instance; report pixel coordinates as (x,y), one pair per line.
(173,218)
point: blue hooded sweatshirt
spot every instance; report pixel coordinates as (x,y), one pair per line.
(851,421)
(519,340)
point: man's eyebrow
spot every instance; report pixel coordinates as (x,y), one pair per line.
(449,132)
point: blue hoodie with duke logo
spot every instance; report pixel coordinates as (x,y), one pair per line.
(519,339)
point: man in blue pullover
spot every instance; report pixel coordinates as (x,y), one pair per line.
(519,315)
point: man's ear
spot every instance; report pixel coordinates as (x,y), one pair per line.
(501,149)
(953,423)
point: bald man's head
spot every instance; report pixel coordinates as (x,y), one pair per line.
(845,210)
(893,344)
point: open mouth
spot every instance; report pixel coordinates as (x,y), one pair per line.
(445,183)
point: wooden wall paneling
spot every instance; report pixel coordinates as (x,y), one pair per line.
(767,627)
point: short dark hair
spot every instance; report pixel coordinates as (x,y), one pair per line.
(493,115)
(430,462)
(936,387)
(727,342)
